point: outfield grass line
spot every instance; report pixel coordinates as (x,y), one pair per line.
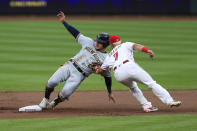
(159,36)
(40,43)
(19,30)
(44,41)
(154,41)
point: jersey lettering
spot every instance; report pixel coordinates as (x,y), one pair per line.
(80,57)
(116,56)
(94,54)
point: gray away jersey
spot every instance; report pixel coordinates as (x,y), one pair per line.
(88,55)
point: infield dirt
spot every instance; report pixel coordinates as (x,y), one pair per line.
(93,103)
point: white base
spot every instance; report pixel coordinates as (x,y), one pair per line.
(31,108)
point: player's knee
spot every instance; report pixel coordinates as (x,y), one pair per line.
(151,84)
(51,83)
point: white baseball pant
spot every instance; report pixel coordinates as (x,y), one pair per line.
(131,72)
(70,75)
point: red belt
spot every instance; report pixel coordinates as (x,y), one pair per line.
(122,62)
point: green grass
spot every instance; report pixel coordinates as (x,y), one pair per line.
(99,123)
(31,51)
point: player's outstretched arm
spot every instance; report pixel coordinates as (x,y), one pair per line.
(142,48)
(70,28)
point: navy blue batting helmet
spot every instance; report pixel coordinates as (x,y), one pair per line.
(103,38)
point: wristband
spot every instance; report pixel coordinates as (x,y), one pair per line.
(145,49)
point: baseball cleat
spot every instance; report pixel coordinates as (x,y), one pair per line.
(51,105)
(174,103)
(44,103)
(151,109)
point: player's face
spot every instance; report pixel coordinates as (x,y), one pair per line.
(99,46)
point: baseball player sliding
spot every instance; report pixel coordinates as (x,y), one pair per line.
(127,72)
(79,67)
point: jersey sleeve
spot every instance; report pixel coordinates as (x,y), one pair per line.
(105,64)
(108,63)
(83,40)
(129,46)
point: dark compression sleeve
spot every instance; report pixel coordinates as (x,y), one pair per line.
(108,82)
(71,29)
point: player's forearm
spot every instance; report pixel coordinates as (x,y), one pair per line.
(108,82)
(142,48)
(139,47)
(71,29)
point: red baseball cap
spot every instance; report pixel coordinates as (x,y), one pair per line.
(114,39)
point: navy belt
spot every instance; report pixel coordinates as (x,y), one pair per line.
(77,67)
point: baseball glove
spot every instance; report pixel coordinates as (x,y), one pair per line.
(93,65)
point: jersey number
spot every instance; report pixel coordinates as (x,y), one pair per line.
(116,56)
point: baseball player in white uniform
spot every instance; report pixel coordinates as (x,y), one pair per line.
(128,72)
(79,67)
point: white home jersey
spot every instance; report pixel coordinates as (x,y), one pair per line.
(127,72)
(118,55)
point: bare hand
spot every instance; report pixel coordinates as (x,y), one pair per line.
(61,16)
(98,70)
(151,53)
(111,97)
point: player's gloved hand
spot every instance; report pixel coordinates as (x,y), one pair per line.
(111,97)
(61,16)
(151,53)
